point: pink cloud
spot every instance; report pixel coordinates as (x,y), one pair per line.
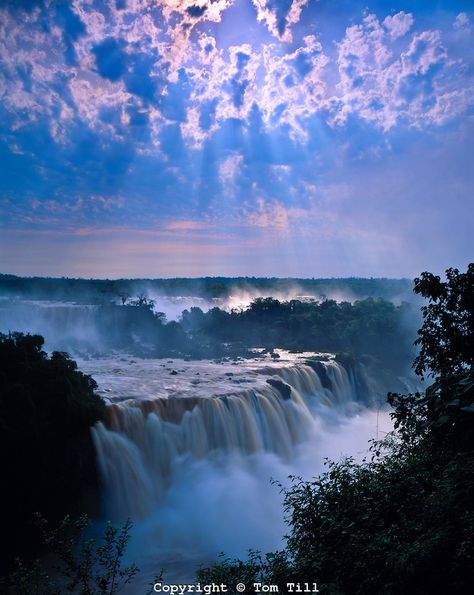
(274,215)
(384,87)
(399,24)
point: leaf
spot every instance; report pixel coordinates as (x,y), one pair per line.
(443,420)
(454,404)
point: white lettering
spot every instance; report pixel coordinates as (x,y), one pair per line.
(261,588)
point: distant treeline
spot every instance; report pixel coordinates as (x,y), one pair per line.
(99,291)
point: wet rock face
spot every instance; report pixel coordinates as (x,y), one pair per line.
(320,370)
(283,388)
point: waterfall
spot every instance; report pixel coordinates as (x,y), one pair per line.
(66,326)
(142,440)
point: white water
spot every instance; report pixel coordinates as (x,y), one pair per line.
(189,455)
(66,326)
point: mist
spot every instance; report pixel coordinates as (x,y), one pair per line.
(191,527)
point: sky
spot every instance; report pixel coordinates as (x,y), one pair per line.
(288,138)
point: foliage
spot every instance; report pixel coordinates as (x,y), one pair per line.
(271,568)
(446,337)
(373,327)
(46,409)
(403,521)
(444,413)
(81,565)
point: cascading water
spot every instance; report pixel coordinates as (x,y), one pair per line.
(66,326)
(190,454)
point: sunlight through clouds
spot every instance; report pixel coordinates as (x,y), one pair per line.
(241,112)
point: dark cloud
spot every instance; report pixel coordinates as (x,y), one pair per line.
(238,91)
(24,74)
(19,171)
(22,4)
(112,116)
(230,135)
(238,84)
(242,60)
(420,84)
(134,68)
(259,148)
(173,104)
(138,117)
(171,142)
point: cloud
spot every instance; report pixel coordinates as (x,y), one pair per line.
(399,24)
(194,10)
(280,15)
(182,17)
(230,81)
(86,205)
(294,85)
(462,23)
(129,71)
(273,215)
(229,169)
(418,86)
(184,115)
(187,225)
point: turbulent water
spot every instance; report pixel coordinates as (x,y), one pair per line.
(188,449)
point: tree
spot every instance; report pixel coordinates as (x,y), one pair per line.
(446,338)
(143,302)
(47,458)
(81,565)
